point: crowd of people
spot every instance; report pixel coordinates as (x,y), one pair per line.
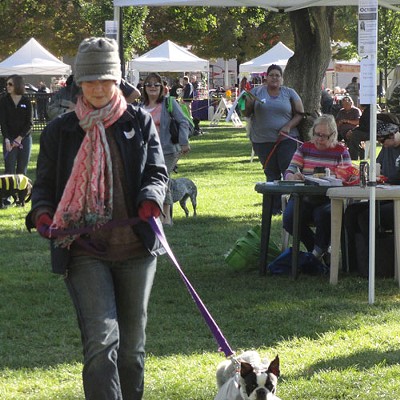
(103,160)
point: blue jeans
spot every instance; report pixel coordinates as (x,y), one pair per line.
(316,212)
(17,160)
(110,300)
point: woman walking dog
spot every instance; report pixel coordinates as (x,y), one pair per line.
(103,164)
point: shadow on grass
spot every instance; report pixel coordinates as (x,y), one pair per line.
(360,361)
(252,311)
(38,325)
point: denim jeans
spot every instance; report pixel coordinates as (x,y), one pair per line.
(17,160)
(317,213)
(111,301)
(277,164)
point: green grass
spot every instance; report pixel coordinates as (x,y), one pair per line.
(331,342)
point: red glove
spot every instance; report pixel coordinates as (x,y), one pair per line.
(148,209)
(43,224)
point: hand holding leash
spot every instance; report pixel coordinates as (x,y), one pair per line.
(148,209)
(43,224)
(17,142)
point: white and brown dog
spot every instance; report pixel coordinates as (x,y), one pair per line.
(247,377)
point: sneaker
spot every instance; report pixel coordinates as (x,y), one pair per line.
(312,265)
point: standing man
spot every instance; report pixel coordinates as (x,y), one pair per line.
(187,93)
(195,84)
(353,90)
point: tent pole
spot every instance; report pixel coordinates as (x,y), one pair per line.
(118,18)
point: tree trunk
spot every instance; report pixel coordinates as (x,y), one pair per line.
(305,71)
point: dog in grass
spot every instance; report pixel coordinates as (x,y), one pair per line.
(17,186)
(247,377)
(183,189)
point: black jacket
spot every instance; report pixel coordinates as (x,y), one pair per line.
(15,120)
(141,155)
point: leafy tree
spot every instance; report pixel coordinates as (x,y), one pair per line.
(388,39)
(56,24)
(306,69)
(60,25)
(213,32)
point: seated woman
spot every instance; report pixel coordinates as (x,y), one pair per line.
(323,150)
(347,118)
(356,216)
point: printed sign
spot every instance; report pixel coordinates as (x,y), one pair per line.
(367,27)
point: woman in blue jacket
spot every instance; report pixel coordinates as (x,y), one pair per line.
(101,166)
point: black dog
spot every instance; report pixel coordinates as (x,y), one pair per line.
(182,189)
(19,187)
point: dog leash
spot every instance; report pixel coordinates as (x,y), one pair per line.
(276,145)
(215,330)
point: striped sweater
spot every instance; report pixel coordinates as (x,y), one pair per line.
(307,157)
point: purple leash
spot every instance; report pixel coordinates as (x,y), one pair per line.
(215,330)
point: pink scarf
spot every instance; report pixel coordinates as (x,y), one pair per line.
(88,195)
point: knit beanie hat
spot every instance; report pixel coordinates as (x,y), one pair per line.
(97,59)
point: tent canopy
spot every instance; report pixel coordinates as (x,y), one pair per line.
(274,5)
(33,59)
(169,57)
(279,55)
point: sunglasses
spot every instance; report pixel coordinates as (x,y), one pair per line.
(10,84)
(148,84)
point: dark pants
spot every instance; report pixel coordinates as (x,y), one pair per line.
(277,164)
(111,301)
(356,220)
(353,143)
(314,211)
(17,160)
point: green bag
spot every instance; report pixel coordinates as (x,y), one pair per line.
(245,254)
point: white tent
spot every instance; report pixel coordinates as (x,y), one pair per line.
(169,57)
(279,55)
(33,59)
